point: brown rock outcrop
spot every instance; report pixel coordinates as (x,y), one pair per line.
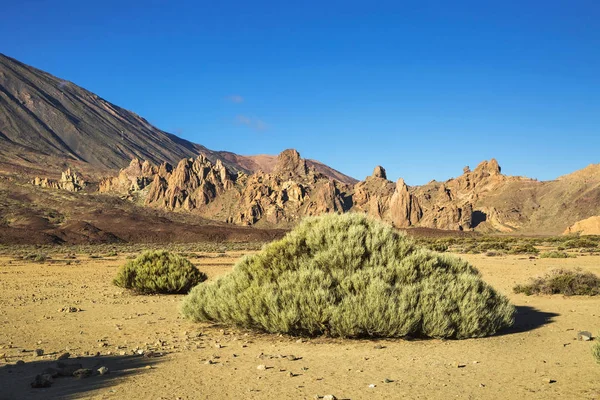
(69,181)
(379,172)
(404,207)
(135,177)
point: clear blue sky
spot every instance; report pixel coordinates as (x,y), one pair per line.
(422,88)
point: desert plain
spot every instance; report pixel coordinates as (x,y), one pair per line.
(151,352)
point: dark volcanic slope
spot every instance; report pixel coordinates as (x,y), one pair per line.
(43,115)
(48,123)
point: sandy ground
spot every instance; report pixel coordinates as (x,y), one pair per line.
(519,363)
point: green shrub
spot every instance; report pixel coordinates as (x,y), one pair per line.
(596,351)
(159,272)
(526,248)
(437,246)
(568,283)
(579,243)
(487,246)
(350,276)
(556,254)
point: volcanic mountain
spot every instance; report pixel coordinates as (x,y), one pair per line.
(47,121)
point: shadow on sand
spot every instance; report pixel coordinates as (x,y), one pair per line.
(527,319)
(15,380)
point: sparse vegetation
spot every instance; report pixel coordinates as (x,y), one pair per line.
(596,351)
(579,243)
(36,257)
(556,254)
(526,248)
(159,272)
(350,276)
(566,282)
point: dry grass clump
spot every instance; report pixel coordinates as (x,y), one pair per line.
(556,254)
(350,276)
(159,272)
(36,257)
(596,351)
(562,281)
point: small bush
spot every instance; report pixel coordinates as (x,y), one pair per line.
(350,276)
(596,351)
(568,283)
(159,272)
(556,254)
(36,257)
(579,243)
(523,249)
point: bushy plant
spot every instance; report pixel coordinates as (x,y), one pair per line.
(596,351)
(159,272)
(350,276)
(36,257)
(556,254)
(437,246)
(579,243)
(525,248)
(562,281)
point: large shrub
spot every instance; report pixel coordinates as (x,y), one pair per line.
(159,272)
(563,281)
(350,276)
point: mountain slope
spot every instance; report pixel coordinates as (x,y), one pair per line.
(42,114)
(48,122)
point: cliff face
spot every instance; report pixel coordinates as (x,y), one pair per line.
(481,199)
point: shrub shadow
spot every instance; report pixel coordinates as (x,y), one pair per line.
(527,319)
(15,380)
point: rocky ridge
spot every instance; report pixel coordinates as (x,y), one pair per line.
(481,199)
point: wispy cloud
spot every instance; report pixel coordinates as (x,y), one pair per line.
(251,122)
(235,98)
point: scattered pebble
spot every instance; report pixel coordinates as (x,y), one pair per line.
(261,367)
(69,309)
(39,352)
(372,385)
(584,335)
(103,370)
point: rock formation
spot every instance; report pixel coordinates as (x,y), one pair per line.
(135,177)
(482,198)
(69,181)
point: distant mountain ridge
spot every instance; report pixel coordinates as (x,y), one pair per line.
(46,119)
(48,125)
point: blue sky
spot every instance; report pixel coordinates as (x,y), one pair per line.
(420,87)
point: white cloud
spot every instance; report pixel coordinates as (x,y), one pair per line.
(251,122)
(235,98)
